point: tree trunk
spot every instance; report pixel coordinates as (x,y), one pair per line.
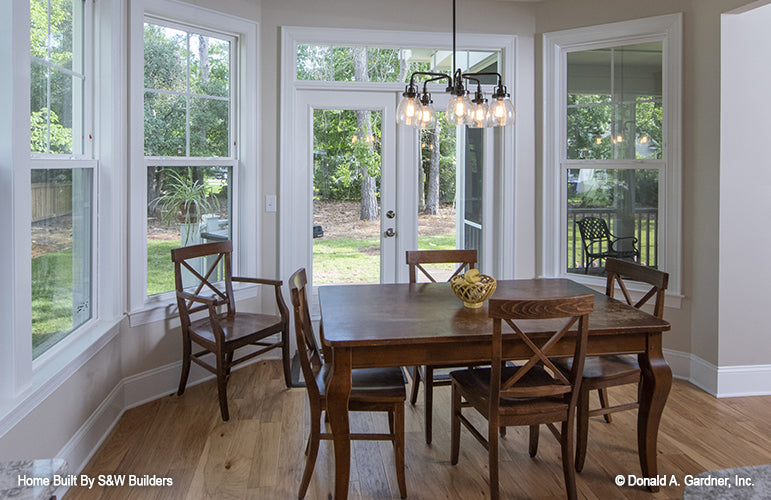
(369,208)
(432,198)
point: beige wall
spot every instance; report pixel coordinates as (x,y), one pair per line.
(694,325)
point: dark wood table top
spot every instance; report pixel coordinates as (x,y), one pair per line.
(383,314)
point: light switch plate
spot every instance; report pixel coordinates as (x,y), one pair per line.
(270,202)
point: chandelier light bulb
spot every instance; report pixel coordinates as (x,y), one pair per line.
(409,111)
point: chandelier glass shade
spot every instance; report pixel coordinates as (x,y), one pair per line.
(416,108)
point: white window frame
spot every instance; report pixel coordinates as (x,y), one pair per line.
(83,123)
(244,130)
(556,46)
(26,383)
(510,201)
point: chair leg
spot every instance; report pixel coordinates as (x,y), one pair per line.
(222,385)
(415,384)
(582,427)
(502,431)
(604,403)
(567,457)
(285,357)
(397,430)
(534,432)
(455,426)
(428,396)
(492,436)
(312,451)
(187,349)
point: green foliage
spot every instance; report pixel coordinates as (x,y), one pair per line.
(165,67)
(183,198)
(340,154)
(60,138)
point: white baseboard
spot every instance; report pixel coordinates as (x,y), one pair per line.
(720,381)
(750,380)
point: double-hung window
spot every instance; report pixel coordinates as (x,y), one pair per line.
(193,143)
(612,155)
(63,171)
(189,151)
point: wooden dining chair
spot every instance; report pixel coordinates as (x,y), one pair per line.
(465,259)
(372,389)
(223,332)
(531,394)
(602,372)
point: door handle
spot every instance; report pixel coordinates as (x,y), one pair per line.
(389,233)
(390,214)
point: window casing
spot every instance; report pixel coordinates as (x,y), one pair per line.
(62,190)
(612,145)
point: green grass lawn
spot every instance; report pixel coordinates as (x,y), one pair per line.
(343,260)
(350,260)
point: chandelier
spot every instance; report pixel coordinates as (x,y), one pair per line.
(416,108)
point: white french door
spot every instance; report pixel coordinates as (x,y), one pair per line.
(326,140)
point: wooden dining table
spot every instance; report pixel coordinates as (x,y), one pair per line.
(380,325)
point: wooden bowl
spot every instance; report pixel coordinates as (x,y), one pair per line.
(473,295)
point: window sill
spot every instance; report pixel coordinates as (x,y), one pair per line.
(164,306)
(56,369)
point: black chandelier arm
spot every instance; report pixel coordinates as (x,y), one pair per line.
(435,76)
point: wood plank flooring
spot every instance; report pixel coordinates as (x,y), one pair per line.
(258,454)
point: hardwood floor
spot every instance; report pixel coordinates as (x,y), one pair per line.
(258,454)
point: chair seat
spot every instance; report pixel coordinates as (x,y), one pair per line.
(370,384)
(598,368)
(475,386)
(237,326)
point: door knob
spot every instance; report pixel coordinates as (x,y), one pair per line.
(390,214)
(389,233)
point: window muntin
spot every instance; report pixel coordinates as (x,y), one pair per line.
(386,64)
(57,76)
(614,111)
(190,156)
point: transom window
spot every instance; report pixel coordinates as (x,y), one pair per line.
(385,64)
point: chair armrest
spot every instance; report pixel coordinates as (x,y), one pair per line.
(260,281)
(197,298)
(283,310)
(617,239)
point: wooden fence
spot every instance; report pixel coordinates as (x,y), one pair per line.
(51,200)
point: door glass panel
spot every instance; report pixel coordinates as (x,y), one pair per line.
(346,196)
(437,195)
(472,186)
(627,201)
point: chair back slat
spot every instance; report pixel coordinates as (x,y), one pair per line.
(574,309)
(619,270)
(415,258)
(307,348)
(220,252)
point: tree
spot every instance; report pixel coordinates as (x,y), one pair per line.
(369,206)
